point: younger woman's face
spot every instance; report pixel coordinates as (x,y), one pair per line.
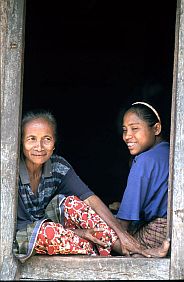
(38,141)
(138,136)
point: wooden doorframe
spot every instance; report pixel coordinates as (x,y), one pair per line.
(80,267)
(12,52)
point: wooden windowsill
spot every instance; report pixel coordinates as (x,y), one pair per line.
(71,267)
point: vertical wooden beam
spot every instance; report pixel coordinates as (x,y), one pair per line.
(12,46)
(177,149)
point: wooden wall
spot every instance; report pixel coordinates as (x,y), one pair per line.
(177,152)
(12,36)
(80,267)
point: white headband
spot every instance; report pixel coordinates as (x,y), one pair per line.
(149,106)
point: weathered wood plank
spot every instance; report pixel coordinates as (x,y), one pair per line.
(94,268)
(11,86)
(177,139)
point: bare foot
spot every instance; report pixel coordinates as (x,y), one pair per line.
(161,251)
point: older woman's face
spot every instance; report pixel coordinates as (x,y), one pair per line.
(38,141)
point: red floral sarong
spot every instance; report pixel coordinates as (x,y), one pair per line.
(54,238)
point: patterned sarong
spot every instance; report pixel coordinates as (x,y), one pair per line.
(152,234)
(54,238)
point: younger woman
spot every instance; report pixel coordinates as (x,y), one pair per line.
(143,209)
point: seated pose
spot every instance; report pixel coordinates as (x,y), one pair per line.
(58,213)
(143,209)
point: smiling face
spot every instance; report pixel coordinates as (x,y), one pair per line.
(38,141)
(137,134)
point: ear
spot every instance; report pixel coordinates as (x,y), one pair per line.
(157,128)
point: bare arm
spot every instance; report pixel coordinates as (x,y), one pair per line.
(128,243)
(102,210)
(124,224)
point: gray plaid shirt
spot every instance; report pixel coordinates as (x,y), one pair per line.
(58,177)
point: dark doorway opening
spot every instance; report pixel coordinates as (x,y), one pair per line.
(84,60)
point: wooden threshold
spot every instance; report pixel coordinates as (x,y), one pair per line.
(71,267)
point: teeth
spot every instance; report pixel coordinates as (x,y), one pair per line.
(130,144)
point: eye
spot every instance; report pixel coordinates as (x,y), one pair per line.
(124,130)
(48,140)
(31,138)
(134,128)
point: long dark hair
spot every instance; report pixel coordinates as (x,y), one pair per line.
(150,115)
(145,113)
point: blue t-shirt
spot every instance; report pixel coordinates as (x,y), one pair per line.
(58,177)
(146,193)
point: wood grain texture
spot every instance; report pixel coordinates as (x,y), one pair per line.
(177,183)
(94,268)
(11,85)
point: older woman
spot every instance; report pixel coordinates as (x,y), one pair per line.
(57,212)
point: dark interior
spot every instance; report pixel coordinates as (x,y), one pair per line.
(84,61)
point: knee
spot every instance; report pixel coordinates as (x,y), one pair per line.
(70,200)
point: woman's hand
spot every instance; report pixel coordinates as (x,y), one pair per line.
(89,235)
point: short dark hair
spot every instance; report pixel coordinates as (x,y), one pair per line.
(46,115)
